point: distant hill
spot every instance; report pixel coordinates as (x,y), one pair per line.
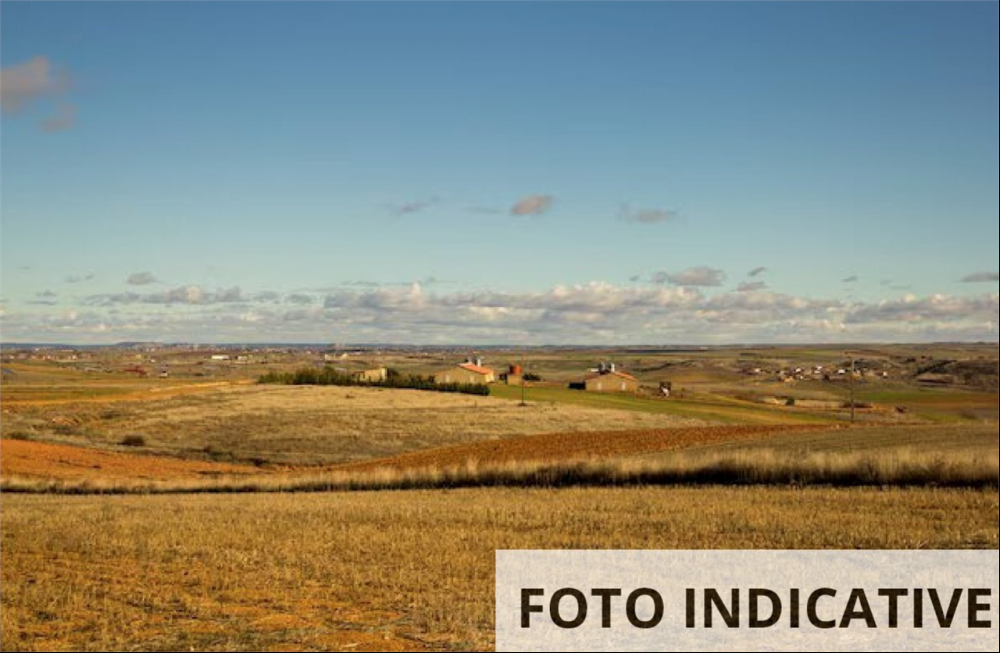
(980,375)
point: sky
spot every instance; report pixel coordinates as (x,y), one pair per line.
(502,173)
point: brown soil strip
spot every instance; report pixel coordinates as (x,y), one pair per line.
(58,462)
(578,446)
(33,460)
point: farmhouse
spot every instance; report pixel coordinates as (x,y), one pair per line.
(611,382)
(376,375)
(469,373)
(608,379)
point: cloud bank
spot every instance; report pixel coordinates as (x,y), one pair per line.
(595,313)
(185,295)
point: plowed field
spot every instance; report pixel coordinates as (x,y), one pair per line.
(57,462)
(577,446)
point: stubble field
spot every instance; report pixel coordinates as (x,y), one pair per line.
(388,571)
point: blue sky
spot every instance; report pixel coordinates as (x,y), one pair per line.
(499,172)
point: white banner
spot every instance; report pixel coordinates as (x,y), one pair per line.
(746,601)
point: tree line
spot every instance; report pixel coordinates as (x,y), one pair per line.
(394,380)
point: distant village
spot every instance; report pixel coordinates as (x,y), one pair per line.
(374,365)
(823,373)
(148,361)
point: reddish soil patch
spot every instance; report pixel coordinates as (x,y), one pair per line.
(33,460)
(579,446)
(58,462)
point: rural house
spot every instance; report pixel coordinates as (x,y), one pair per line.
(376,375)
(471,373)
(608,379)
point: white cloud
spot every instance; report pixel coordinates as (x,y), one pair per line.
(917,310)
(34,81)
(141,279)
(64,119)
(533,205)
(982,277)
(702,277)
(645,216)
(25,83)
(417,206)
(487,210)
(752,286)
(189,295)
(268,297)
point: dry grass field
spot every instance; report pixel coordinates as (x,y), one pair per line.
(52,384)
(944,457)
(970,440)
(37,460)
(308,425)
(387,571)
(702,406)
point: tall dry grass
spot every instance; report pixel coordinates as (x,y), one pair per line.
(903,468)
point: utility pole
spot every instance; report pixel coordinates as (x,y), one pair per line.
(854,403)
(524,371)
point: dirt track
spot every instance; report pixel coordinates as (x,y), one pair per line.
(578,446)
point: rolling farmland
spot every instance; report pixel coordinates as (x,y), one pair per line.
(299,560)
